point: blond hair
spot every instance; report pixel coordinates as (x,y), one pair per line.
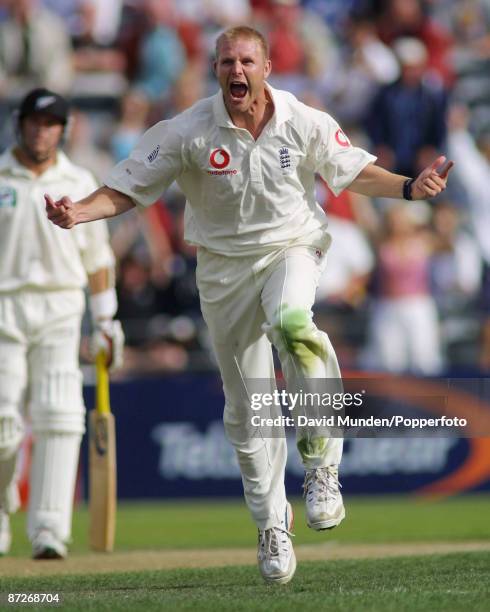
(243,32)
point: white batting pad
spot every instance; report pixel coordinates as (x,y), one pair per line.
(52,483)
(11,432)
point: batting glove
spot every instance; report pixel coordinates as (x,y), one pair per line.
(108,336)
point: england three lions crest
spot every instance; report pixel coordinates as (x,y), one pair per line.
(284,160)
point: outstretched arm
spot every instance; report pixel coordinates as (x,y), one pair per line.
(375,181)
(100,204)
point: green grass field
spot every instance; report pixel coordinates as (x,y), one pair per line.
(226,523)
(433,582)
(449,583)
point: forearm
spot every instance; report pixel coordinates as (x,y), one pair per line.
(103,297)
(107,336)
(102,204)
(375,181)
(100,281)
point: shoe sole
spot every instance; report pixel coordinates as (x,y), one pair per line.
(330,524)
(49,554)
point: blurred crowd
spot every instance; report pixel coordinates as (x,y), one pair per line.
(407,285)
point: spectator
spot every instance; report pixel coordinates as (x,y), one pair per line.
(406,18)
(342,289)
(288,52)
(131,32)
(67,10)
(472,171)
(365,65)
(301,46)
(132,123)
(151,343)
(404,328)
(469,22)
(83,148)
(188,89)
(106,17)
(456,262)
(161,54)
(473,174)
(106,20)
(456,272)
(350,263)
(341,303)
(137,299)
(344,280)
(94,51)
(35,50)
(334,12)
(406,122)
(215,12)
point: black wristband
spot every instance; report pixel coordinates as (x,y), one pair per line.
(407,189)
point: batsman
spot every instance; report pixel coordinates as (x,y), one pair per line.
(246,159)
(43,272)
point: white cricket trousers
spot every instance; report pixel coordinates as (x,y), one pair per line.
(40,378)
(247,303)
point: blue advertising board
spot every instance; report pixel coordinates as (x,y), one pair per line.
(171,443)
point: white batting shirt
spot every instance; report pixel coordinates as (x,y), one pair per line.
(244,196)
(34,253)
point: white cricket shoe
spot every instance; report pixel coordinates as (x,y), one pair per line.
(324,505)
(275,554)
(46,545)
(5,533)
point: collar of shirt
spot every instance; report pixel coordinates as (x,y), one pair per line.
(63,168)
(282,110)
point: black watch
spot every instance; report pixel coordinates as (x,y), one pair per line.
(407,189)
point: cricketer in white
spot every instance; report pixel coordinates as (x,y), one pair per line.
(43,272)
(246,159)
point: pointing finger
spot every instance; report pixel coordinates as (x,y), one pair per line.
(50,203)
(443,171)
(438,162)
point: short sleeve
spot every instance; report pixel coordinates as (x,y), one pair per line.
(155,162)
(334,157)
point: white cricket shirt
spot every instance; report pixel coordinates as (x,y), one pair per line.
(34,253)
(244,196)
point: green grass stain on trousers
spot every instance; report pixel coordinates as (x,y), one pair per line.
(311,448)
(301,337)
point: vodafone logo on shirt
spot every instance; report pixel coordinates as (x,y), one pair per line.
(341,138)
(220,159)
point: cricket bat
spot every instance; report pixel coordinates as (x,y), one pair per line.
(102,465)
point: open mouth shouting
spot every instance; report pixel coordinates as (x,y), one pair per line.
(238,90)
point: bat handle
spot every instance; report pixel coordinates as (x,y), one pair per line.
(102,387)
